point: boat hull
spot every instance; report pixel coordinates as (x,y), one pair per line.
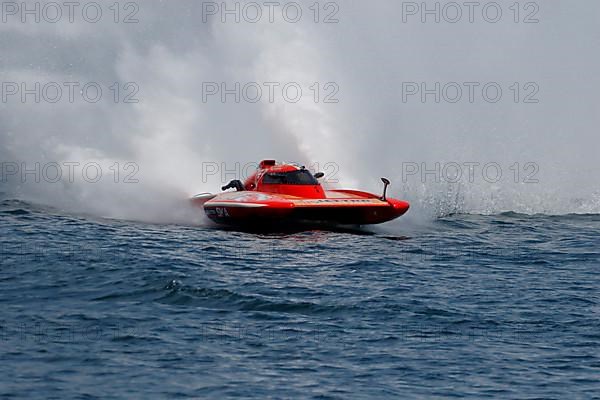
(256,209)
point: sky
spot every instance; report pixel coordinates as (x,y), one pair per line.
(484,108)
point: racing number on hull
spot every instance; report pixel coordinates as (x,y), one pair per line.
(222,212)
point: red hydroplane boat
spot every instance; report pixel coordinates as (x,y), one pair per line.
(287,194)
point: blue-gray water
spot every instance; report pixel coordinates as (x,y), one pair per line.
(503,306)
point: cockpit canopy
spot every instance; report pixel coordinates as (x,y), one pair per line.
(286,179)
(298,177)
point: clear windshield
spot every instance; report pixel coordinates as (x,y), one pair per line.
(300,177)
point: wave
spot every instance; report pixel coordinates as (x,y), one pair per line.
(175,293)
